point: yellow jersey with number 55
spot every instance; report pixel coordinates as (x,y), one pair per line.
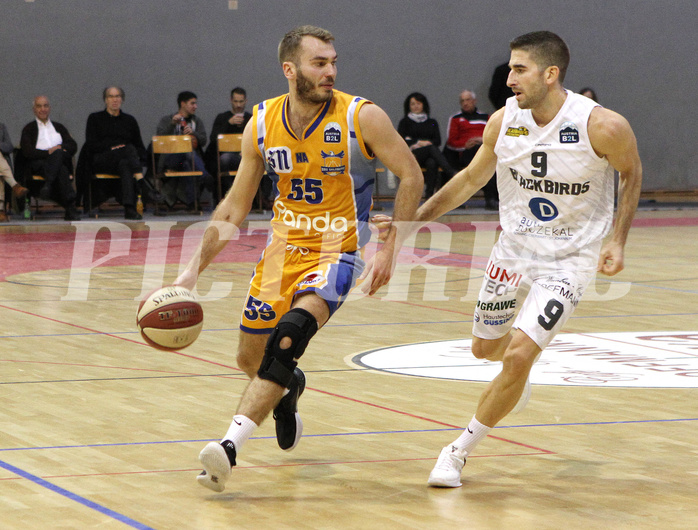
(323,179)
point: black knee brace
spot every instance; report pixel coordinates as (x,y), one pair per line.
(277,365)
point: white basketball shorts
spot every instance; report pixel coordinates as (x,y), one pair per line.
(523,290)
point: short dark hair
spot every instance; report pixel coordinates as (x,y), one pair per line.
(593,93)
(238,90)
(121,91)
(184,96)
(419,97)
(546,49)
(291,43)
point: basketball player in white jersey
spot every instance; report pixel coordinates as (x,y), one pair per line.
(554,152)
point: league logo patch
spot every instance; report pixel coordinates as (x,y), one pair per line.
(333,133)
(517,131)
(332,163)
(569,133)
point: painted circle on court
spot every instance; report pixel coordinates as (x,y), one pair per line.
(657,359)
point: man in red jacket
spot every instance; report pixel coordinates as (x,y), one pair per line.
(465,138)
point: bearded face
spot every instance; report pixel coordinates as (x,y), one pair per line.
(310,91)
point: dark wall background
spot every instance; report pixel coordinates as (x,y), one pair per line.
(641,56)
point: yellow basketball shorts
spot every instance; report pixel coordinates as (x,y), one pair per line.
(286,271)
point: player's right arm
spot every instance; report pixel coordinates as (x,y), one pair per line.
(469,180)
(231,212)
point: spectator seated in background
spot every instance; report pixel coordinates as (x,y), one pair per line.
(18,191)
(7,178)
(230,122)
(48,149)
(590,93)
(114,146)
(233,122)
(465,131)
(185,121)
(423,137)
(6,147)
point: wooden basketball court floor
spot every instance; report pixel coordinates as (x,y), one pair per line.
(98,430)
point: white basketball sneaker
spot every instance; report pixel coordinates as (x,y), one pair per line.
(446,472)
(217,466)
(523,400)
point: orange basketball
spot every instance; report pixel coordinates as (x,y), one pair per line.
(170,318)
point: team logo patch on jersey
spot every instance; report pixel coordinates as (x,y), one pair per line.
(543,209)
(569,133)
(279,160)
(333,133)
(517,131)
(332,163)
(312,279)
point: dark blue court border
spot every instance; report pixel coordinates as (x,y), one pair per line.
(75,497)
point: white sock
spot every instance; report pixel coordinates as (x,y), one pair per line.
(239,431)
(471,436)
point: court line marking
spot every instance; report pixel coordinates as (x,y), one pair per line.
(272,466)
(363,433)
(136,524)
(537,452)
(74,497)
(228,366)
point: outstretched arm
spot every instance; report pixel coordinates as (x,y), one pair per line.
(461,187)
(230,213)
(612,136)
(467,181)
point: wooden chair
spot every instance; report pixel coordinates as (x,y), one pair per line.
(227,143)
(97,176)
(169,145)
(38,179)
(232,143)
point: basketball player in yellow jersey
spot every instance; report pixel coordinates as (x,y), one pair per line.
(319,145)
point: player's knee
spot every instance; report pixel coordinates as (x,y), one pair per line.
(248,362)
(487,349)
(479,348)
(286,344)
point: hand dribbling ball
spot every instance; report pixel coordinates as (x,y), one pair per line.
(170,318)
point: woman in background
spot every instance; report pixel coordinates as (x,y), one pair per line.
(423,137)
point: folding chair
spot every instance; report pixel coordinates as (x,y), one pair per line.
(97,176)
(227,143)
(37,179)
(232,143)
(175,144)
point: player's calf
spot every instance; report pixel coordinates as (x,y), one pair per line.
(285,346)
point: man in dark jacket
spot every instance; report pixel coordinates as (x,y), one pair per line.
(113,141)
(48,149)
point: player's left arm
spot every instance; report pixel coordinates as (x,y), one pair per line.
(383,140)
(611,136)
